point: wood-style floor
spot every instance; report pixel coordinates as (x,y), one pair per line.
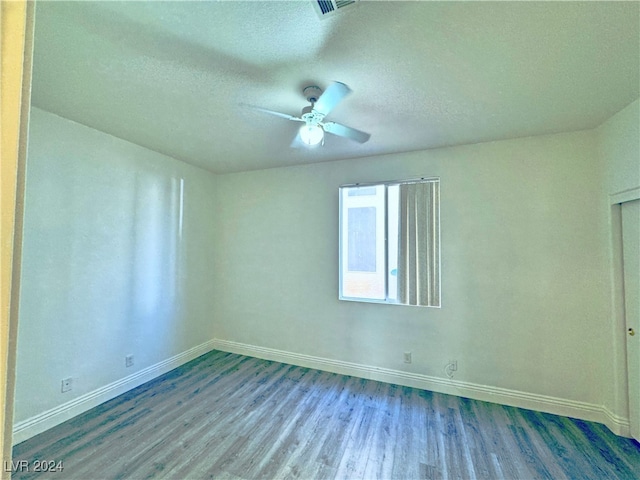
(229,416)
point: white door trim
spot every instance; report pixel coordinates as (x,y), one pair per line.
(627,195)
(630,226)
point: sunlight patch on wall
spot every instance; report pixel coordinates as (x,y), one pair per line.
(157,234)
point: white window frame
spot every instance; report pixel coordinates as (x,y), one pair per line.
(388,297)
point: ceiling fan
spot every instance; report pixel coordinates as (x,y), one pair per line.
(314,128)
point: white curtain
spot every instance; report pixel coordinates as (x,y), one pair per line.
(419,244)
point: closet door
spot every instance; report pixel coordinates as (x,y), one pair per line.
(631,258)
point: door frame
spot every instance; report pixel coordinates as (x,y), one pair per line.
(622,392)
(16,43)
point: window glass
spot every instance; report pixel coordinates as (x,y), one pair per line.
(363,271)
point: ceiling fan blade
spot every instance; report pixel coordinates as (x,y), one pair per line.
(331,97)
(277,114)
(344,131)
(297,142)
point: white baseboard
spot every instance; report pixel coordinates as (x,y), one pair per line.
(50,418)
(617,424)
(39,423)
(514,398)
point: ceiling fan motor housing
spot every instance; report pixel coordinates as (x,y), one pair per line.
(312,93)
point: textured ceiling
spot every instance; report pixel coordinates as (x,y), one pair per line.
(173,76)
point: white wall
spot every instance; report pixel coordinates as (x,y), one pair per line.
(619,142)
(525,285)
(110,264)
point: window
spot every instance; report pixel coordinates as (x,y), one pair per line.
(390,242)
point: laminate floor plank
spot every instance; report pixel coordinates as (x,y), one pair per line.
(161,405)
(576,442)
(378,461)
(275,427)
(227,416)
(347,455)
(613,466)
(301,425)
(493,426)
(306,459)
(227,447)
(553,436)
(480,446)
(357,449)
(217,399)
(406,460)
(333,450)
(172,418)
(388,434)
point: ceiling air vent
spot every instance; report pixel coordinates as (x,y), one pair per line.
(326,8)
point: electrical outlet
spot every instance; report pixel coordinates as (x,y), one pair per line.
(450,368)
(407,357)
(66,384)
(128,361)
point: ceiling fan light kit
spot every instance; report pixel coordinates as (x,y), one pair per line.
(322,103)
(311,134)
